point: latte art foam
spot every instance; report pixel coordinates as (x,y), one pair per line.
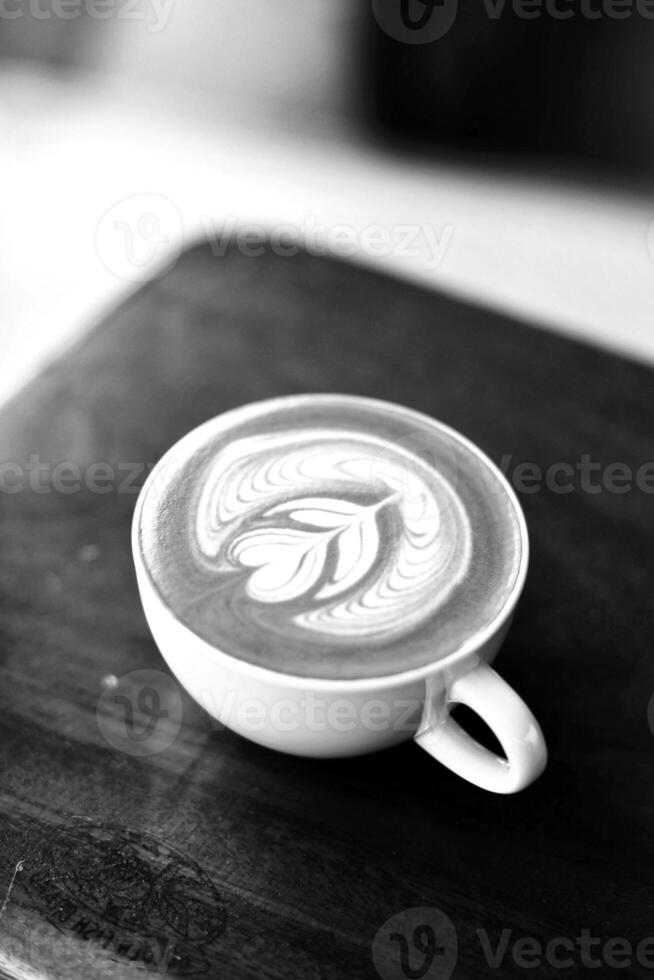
(330,536)
(347,537)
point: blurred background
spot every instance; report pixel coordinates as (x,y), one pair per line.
(500,151)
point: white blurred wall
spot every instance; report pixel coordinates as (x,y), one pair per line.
(285,56)
(80,158)
(285,53)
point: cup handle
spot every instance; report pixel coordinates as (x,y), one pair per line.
(506,714)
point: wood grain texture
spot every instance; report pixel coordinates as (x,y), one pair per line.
(217,858)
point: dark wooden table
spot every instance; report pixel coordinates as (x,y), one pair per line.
(135,842)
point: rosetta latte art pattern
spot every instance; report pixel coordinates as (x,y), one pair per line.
(332,533)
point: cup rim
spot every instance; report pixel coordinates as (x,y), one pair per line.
(468,647)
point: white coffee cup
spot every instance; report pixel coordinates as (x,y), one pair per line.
(324,717)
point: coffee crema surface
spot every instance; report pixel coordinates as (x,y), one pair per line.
(330,536)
